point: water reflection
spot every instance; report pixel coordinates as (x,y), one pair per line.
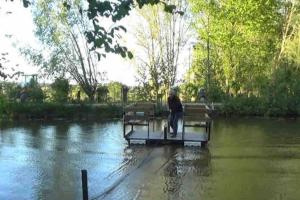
(182,167)
(246,159)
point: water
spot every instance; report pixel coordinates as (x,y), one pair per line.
(246,159)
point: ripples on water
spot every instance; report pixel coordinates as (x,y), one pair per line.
(246,159)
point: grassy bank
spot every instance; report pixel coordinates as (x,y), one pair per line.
(255,106)
(49,111)
(237,106)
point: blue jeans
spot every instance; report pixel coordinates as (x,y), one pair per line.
(173,120)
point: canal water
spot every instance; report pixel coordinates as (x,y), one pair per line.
(247,158)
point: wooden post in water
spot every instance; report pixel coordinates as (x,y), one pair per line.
(84,181)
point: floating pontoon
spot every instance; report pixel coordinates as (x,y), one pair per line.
(196,125)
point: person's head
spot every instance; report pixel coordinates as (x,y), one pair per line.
(172,92)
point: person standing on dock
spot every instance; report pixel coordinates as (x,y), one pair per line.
(175,108)
(202,95)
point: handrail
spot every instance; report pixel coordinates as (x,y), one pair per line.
(138,114)
(199,112)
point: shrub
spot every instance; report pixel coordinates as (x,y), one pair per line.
(3,105)
(243,105)
(61,89)
(34,91)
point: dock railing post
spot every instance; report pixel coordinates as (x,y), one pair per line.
(124,125)
(183,122)
(183,128)
(148,128)
(209,127)
(165,131)
(168,123)
(84,181)
(124,130)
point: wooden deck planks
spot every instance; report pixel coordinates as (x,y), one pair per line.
(189,136)
(143,135)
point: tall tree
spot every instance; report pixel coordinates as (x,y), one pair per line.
(240,39)
(101,37)
(61,31)
(288,47)
(162,37)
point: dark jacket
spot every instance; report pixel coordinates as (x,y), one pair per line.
(174,104)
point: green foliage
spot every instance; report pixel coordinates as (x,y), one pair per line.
(56,110)
(161,37)
(253,53)
(26,3)
(216,94)
(7,71)
(102,93)
(284,91)
(61,89)
(62,31)
(281,97)
(3,105)
(244,105)
(11,90)
(242,39)
(100,37)
(140,94)
(34,91)
(114,91)
(189,92)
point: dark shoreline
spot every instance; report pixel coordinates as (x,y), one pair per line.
(98,112)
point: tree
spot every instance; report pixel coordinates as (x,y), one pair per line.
(3,69)
(290,34)
(61,89)
(288,30)
(115,10)
(140,93)
(34,91)
(11,90)
(102,92)
(115,91)
(100,37)
(237,43)
(61,32)
(162,36)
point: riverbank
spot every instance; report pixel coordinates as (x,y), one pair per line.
(54,111)
(235,107)
(255,106)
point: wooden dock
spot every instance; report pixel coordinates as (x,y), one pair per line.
(141,137)
(141,115)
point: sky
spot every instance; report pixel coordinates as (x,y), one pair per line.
(17,29)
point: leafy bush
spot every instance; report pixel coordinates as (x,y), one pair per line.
(58,110)
(243,105)
(102,92)
(3,105)
(11,90)
(61,89)
(283,92)
(34,91)
(215,93)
